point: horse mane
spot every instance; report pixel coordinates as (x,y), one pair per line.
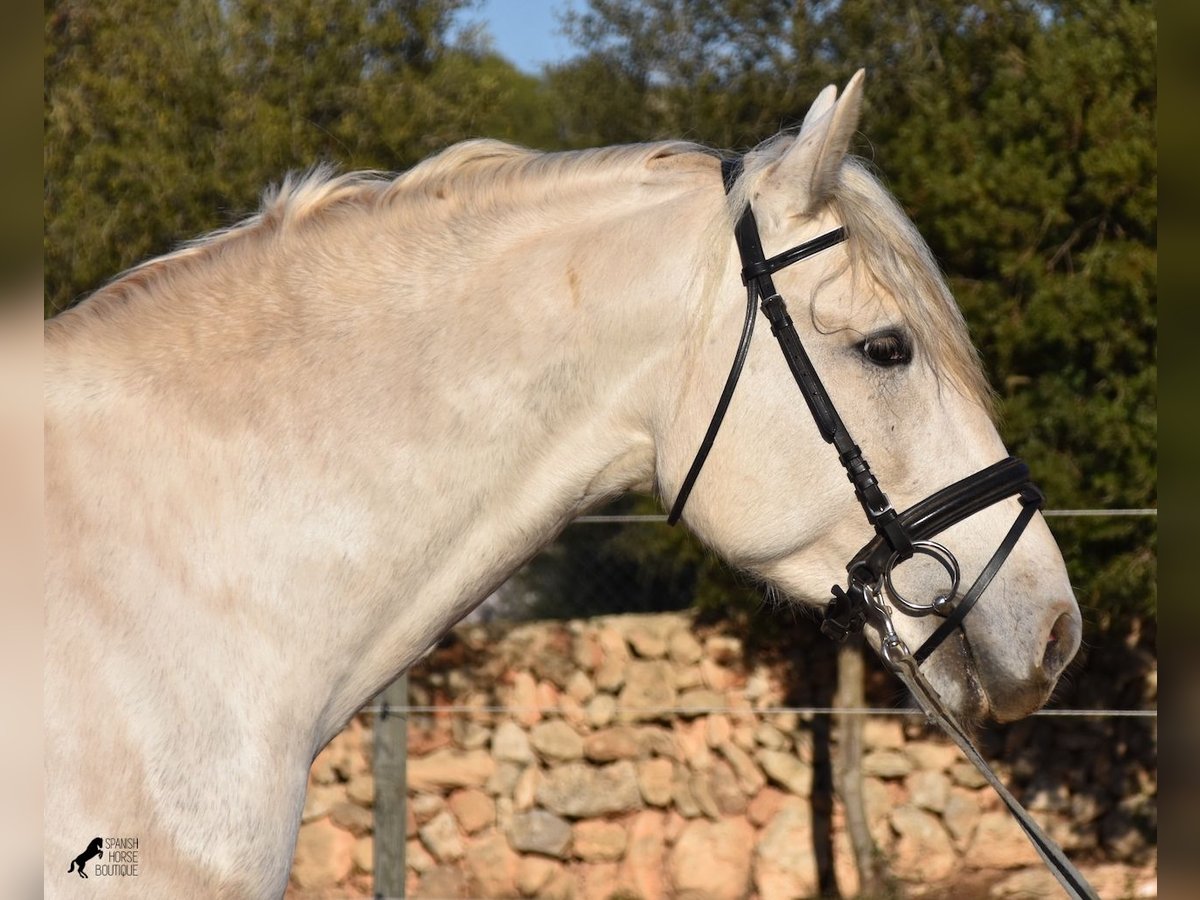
(484,174)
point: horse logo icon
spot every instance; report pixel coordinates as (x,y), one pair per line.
(93,849)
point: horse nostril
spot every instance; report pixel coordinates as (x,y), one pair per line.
(1060,645)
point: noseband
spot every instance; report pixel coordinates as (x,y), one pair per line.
(898,536)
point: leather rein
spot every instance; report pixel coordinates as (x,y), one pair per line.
(898,536)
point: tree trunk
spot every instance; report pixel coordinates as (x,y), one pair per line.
(851,695)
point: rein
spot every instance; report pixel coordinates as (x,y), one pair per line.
(898,536)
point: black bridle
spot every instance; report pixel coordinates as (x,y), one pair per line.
(898,536)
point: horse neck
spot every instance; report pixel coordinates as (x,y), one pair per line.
(394,420)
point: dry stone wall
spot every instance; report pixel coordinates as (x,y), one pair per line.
(646,757)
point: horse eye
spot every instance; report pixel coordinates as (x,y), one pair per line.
(888,348)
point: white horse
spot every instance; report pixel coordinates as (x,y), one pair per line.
(282,461)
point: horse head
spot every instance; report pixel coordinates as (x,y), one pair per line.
(883,333)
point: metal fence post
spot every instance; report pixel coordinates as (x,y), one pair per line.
(391,788)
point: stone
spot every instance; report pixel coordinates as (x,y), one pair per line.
(532,874)
(600,710)
(597,881)
(784,863)
(611,744)
(539,831)
(504,780)
(572,712)
(767,735)
(641,870)
(523,699)
(319,800)
(580,791)
(681,794)
(999,843)
(352,818)
(525,790)
(750,777)
(703,795)
(883,733)
(610,673)
(923,851)
(361,790)
(967,775)
(960,815)
(364,854)
(556,741)
(692,740)
(443,881)
(717,730)
(932,757)
(598,840)
(425,806)
(470,735)
(886,764)
(504,812)
(324,768)
(714,675)
(491,868)
(586,651)
(546,695)
(688,677)
(765,805)
(324,855)
(683,648)
(1030,884)
(654,778)
(698,701)
(450,769)
(410,822)
(561,886)
(580,687)
(649,690)
(417,858)
(654,740)
(511,744)
(710,860)
(440,835)
(723,786)
(673,827)
(787,771)
(878,803)
(473,809)
(929,790)
(646,644)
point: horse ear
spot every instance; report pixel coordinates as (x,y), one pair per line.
(803,179)
(820,107)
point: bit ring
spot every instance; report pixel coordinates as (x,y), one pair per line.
(943,603)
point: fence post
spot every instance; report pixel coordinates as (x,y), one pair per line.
(391,788)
